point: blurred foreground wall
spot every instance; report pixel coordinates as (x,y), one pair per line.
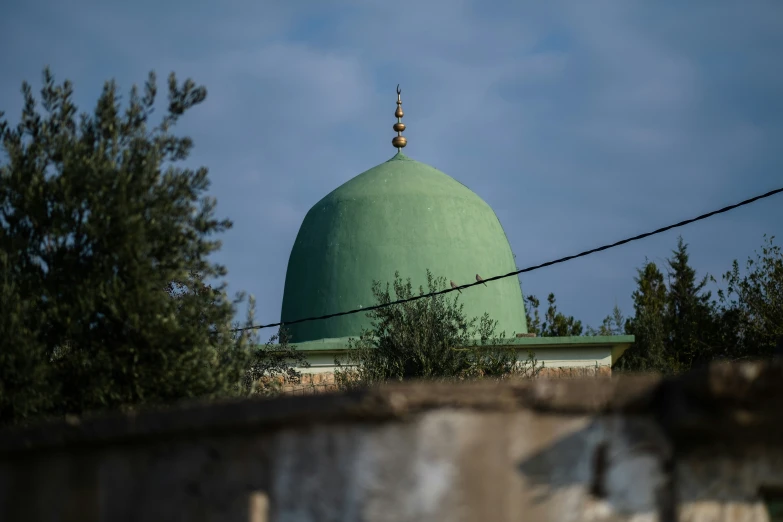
(703,447)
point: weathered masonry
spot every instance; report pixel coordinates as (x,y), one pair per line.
(703,447)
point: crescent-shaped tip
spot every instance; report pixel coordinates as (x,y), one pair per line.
(398,89)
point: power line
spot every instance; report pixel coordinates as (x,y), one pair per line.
(524,270)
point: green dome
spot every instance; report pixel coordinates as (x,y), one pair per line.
(401,215)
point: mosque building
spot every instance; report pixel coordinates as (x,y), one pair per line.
(408,217)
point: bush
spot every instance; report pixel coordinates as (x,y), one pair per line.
(427,338)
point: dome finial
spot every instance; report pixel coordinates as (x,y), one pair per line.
(399,140)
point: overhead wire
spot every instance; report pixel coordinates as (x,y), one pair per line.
(523,270)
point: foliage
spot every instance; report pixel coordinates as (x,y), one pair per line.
(427,338)
(648,353)
(104,253)
(263,365)
(751,308)
(689,314)
(674,323)
(554,324)
(679,326)
(613,324)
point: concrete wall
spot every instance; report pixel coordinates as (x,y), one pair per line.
(707,446)
(554,358)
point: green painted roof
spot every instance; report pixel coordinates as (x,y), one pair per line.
(618,344)
(400,215)
(528,343)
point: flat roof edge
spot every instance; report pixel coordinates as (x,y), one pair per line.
(584,341)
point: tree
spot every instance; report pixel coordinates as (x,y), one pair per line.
(427,338)
(675,325)
(613,324)
(264,364)
(97,219)
(751,308)
(648,324)
(533,320)
(554,324)
(690,313)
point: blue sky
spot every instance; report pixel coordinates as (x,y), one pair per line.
(580,123)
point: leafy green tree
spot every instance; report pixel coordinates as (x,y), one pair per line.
(97,221)
(25,372)
(554,323)
(677,323)
(613,324)
(751,308)
(265,364)
(428,338)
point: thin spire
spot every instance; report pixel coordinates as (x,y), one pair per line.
(399,140)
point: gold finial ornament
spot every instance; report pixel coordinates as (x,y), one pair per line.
(399,140)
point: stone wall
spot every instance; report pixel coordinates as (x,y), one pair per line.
(570,372)
(323,382)
(704,447)
(310,383)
